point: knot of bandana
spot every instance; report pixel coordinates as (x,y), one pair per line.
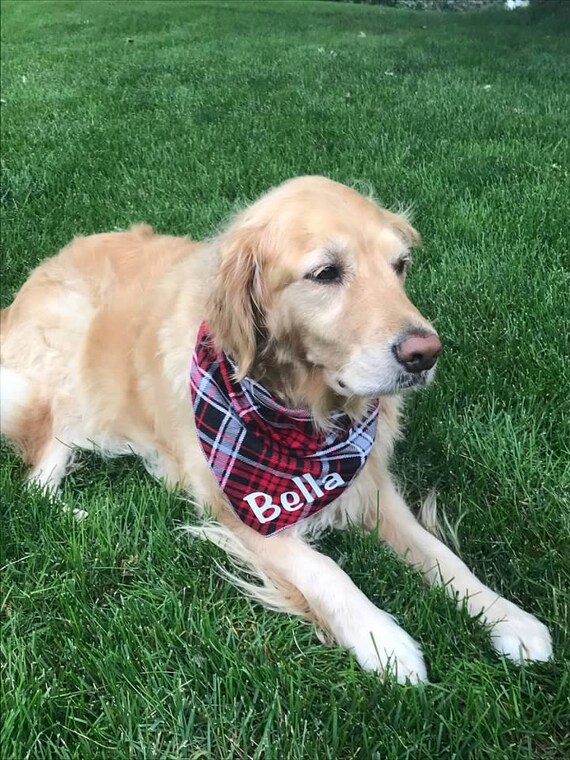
(273,465)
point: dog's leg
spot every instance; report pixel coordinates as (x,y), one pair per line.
(515,633)
(50,470)
(333,601)
(51,467)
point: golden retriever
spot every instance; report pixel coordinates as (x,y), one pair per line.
(304,290)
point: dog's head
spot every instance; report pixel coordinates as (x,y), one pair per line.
(309,293)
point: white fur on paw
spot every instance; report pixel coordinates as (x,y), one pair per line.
(50,489)
(520,636)
(386,648)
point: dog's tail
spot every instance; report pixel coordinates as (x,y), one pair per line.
(15,389)
(15,394)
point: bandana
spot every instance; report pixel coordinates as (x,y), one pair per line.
(273,465)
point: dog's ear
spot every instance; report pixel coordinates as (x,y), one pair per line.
(236,309)
(401,223)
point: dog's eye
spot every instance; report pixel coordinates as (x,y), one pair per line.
(329,273)
(400,266)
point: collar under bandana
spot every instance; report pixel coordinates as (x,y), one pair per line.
(272,464)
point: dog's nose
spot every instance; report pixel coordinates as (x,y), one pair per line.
(418,351)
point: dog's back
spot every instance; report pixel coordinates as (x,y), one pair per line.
(69,301)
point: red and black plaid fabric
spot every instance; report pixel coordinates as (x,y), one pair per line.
(272,464)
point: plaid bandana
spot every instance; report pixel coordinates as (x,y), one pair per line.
(272,464)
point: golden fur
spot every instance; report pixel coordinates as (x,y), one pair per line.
(96,352)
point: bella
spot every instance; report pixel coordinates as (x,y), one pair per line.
(265,509)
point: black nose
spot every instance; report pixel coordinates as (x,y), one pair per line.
(418,351)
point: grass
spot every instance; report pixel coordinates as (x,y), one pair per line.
(119,639)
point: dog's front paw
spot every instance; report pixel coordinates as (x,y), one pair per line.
(520,636)
(381,645)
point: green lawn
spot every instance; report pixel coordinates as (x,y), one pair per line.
(119,638)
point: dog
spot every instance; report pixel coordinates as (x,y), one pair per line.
(226,364)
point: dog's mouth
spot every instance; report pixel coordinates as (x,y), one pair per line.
(409,380)
(400,382)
